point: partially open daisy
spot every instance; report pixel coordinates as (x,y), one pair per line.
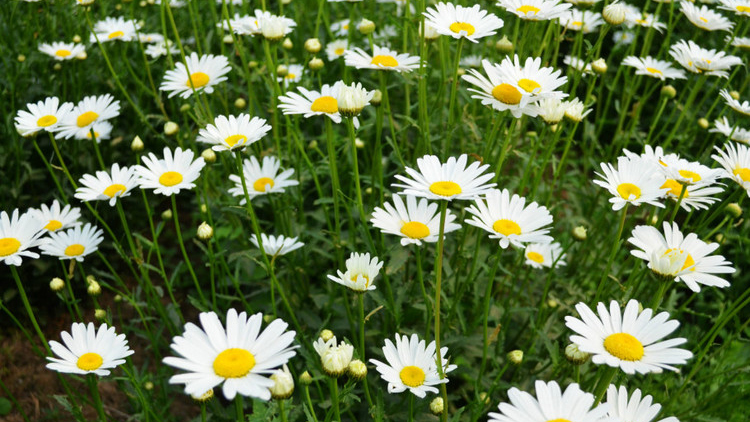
(74,243)
(705,18)
(334,357)
(654,68)
(458,21)
(262,179)
(509,219)
(694,197)
(415,222)
(277,245)
(578,64)
(352,99)
(293,75)
(700,60)
(682,258)
(411,365)
(169,175)
(312,103)
(57,218)
(739,7)
(501,90)
(104,186)
(382,58)
(114,29)
(204,73)
(241,24)
(633,181)
(550,404)
(62,50)
(634,17)
(628,340)
(99,131)
(87,350)
(273,27)
(44,115)
(552,110)
(736,163)
(230,133)
(360,272)
(240,356)
(739,42)
(17,235)
(736,105)
(340,28)
(581,20)
(635,408)
(92,109)
(450,180)
(575,110)
(535,10)
(544,255)
(733,132)
(336,49)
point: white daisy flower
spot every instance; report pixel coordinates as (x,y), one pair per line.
(360,272)
(578,64)
(351,99)
(552,110)
(699,60)
(688,256)
(79,121)
(581,20)
(634,16)
(509,219)
(340,28)
(74,243)
(544,255)
(635,408)
(743,107)
(241,25)
(385,33)
(17,235)
(450,180)
(739,42)
(705,18)
(334,358)
(57,218)
(623,37)
(540,82)
(412,365)
(575,110)
(694,197)
(688,172)
(654,156)
(151,38)
(62,50)
(738,134)
(535,10)
(167,176)
(472,60)
(654,68)
(277,245)
(633,181)
(550,404)
(336,49)
(44,115)
(88,350)
(628,340)
(240,356)
(415,222)
(273,27)
(261,179)
(231,133)
(105,187)
(161,49)
(102,131)
(503,89)
(736,163)
(381,59)
(739,7)
(458,21)
(293,75)
(313,103)
(112,29)
(205,72)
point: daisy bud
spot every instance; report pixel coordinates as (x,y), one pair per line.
(208,395)
(735,95)
(461,71)
(352,99)
(287,44)
(209,156)
(283,384)
(312,45)
(316,64)
(56,284)
(654,220)
(148,385)
(437,406)
(359,143)
(703,123)
(285,2)
(614,14)
(184,108)
(515,357)
(268,318)
(357,370)
(282,71)
(76,38)
(118,7)
(205,232)
(366,26)
(204,208)
(252,64)
(57,66)
(732,209)
(553,128)
(334,357)
(305,378)
(273,28)
(117,298)
(240,103)
(575,356)
(227,39)
(377,98)
(719,238)
(668,91)
(94,289)
(599,66)
(312,145)
(552,303)
(579,233)
(21,58)
(166,215)
(326,335)
(137,144)
(171,128)
(484,398)
(504,45)
(143,3)
(100,313)
(368,191)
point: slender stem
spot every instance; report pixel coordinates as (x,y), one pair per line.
(355,165)
(613,253)
(282,411)
(62,162)
(604,380)
(50,170)
(486,314)
(185,256)
(27,305)
(334,179)
(438,286)
(426,298)
(454,90)
(677,205)
(93,382)
(334,384)
(239,405)
(306,389)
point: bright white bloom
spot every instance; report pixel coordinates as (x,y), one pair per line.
(699,60)
(111,29)
(450,180)
(240,356)
(105,187)
(273,27)
(458,21)
(336,49)
(313,103)
(739,42)
(205,72)
(628,340)
(261,179)
(92,109)
(501,89)
(535,10)
(381,59)
(277,245)
(736,163)
(412,365)
(623,37)
(340,28)
(231,133)
(17,235)
(578,64)
(688,172)
(88,350)
(653,156)
(544,255)
(552,110)
(739,7)
(634,16)
(509,219)
(293,75)
(241,25)
(360,272)
(56,218)
(634,408)
(581,20)
(334,358)
(44,115)
(62,50)
(705,18)
(734,133)
(161,49)
(654,68)
(633,181)
(575,110)
(74,243)
(151,38)
(351,99)
(743,107)
(167,176)
(415,222)
(550,404)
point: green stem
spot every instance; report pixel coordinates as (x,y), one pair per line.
(185,256)
(239,405)
(613,253)
(333,382)
(27,305)
(93,382)
(604,380)
(438,286)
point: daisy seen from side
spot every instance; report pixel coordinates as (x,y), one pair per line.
(535,10)
(167,176)
(261,179)
(632,408)
(446,181)
(88,350)
(457,21)
(62,50)
(734,104)
(550,404)
(739,7)
(103,186)
(114,29)
(205,72)
(500,90)
(361,271)
(90,110)
(44,115)
(382,58)
(733,132)
(415,221)
(19,233)
(74,243)
(334,357)
(57,218)
(654,68)
(277,245)
(233,132)
(581,20)
(696,59)
(705,18)
(735,160)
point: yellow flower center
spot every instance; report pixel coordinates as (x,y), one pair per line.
(339,51)
(675,188)
(113,190)
(526,9)
(577,23)
(743,9)
(170,178)
(528,85)
(53,225)
(445,188)
(415,230)
(115,34)
(412,376)
(290,76)
(47,120)
(86,118)
(88,135)
(10,245)
(346,26)
(535,256)
(654,71)
(624,346)
(689,261)
(743,172)
(62,53)
(628,190)
(89,361)
(382,60)
(74,250)
(559,420)
(197,80)
(506,227)
(693,176)
(507,94)
(704,20)
(234,363)
(234,139)
(457,27)
(261,184)
(325,104)
(367,279)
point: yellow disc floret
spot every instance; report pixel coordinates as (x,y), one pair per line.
(89,361)
(506,227)
(325,104)
(412,376)
(386,61)
(629,191)
(170,178)
(9,246)
(507,94)
(234,363)
(198,80)
(415,230)
(624,346)
(457,27)
(262,184)
(445,188)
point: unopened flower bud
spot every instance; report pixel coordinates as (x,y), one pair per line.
(359,143)
(282,71)
(579,233)
(668,91)
(204,208)
(283,384)
(100,314)
(326,335)
(504,45)
(305,378)
(575,356)
(287,44)
(209,155)
(208,395)
(719,238)
(205,232)
(515,357)
(735,95)
(76,38)
(703,123)
(57,66)
(137,144)
(56,284)
(227,39)
(484,398)
(171,128)
(268,318)
(366,26)
(614,14)
(184,108)
(437,407)
(552,303)
(734,210)
(148,385)
(240,103)
(316,64)
(166,215)
(599,66)
(357,370)
(312,45)
(21,58)
(117,298)
(312,145)
(377,98)
(94,289)
(252,64)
